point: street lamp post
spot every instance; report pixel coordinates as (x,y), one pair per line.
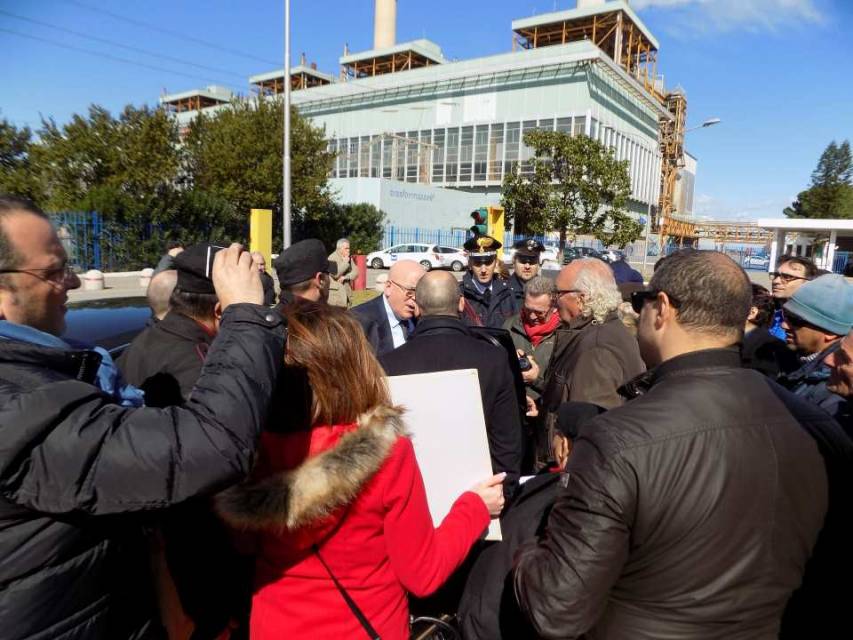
(285,195)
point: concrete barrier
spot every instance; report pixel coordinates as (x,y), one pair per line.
(93,280)
(145,277)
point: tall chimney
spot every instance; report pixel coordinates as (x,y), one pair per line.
(384,24)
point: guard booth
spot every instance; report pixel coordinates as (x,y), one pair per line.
(826,241)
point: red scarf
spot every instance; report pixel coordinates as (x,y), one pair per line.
(538,332)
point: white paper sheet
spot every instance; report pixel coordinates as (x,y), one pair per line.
(444,414)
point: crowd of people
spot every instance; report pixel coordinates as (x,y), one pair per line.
(670,459)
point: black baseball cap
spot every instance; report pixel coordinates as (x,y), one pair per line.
(191,265)
(301,261)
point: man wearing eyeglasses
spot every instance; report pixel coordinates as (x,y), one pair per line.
(388,320)
(691,511)
(593,353)
(815,318)
(526,266)
(489,301)
(79,456)
(791,273)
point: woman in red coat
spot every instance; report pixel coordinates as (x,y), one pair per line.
(343,488)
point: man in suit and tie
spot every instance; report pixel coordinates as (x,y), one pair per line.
(388,319)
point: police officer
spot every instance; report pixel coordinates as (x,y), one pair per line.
(525,265)
(488,300)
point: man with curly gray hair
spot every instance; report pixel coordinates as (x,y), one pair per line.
(593,354)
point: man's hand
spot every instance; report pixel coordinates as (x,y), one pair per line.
(236,278)
(532,373)
(532,409)
(562,447)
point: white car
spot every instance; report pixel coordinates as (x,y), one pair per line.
(756,262)
(427,254)
(453,258)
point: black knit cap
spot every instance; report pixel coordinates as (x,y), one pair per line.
(192,264)
(302,261)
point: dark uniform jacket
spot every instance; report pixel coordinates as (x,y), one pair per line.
(441,343)
(589,363)
(165,360)
(689,513)
(492,307)
(516,285)
(74,466)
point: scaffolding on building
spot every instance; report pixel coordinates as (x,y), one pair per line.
(400,57)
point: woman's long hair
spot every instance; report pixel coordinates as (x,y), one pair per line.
(344,377)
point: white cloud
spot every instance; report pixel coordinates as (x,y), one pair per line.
(727,15)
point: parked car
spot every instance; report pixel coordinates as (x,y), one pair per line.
(430,256)
(110,323)
(453,258)
(612,255)
(756,262)
(426,254)
(575,253)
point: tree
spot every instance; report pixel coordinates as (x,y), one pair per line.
(17,175)
(575,185)
(360,223)
(830,194)
(236,154)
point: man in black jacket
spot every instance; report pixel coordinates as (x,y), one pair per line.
(165,361)
(489,302)
(78,470)
(441,342)
(525,267)
(691,511)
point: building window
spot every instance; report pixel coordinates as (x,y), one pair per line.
(333,149)
(353,157)
(412,149)
(364,157)
(496,149)
(564,125)
(526,152)
(513,139)
(400,168)
(547,124)
(375,156)
(452,169)
(424,155)
(438,156)
(387,150)
(593,129)
(466,154)
(579,126)
(481,150)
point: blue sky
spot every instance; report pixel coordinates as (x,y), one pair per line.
(777,72)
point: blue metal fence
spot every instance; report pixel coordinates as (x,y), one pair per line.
(92,244)
(840,261)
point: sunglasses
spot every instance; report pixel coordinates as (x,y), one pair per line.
(786,277)
(639,299)
(795,322)
(482,262)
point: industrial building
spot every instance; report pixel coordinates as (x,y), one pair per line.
(402,112)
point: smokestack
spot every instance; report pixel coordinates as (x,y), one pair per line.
(384,24)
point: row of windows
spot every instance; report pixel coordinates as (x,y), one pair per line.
(482,153)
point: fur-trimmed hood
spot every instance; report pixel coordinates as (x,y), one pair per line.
(320,485)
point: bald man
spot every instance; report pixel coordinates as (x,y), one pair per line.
(159,291)
(442,342)
(389,319)
(593,353)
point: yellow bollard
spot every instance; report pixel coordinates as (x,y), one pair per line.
(495,226)
(260,234)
